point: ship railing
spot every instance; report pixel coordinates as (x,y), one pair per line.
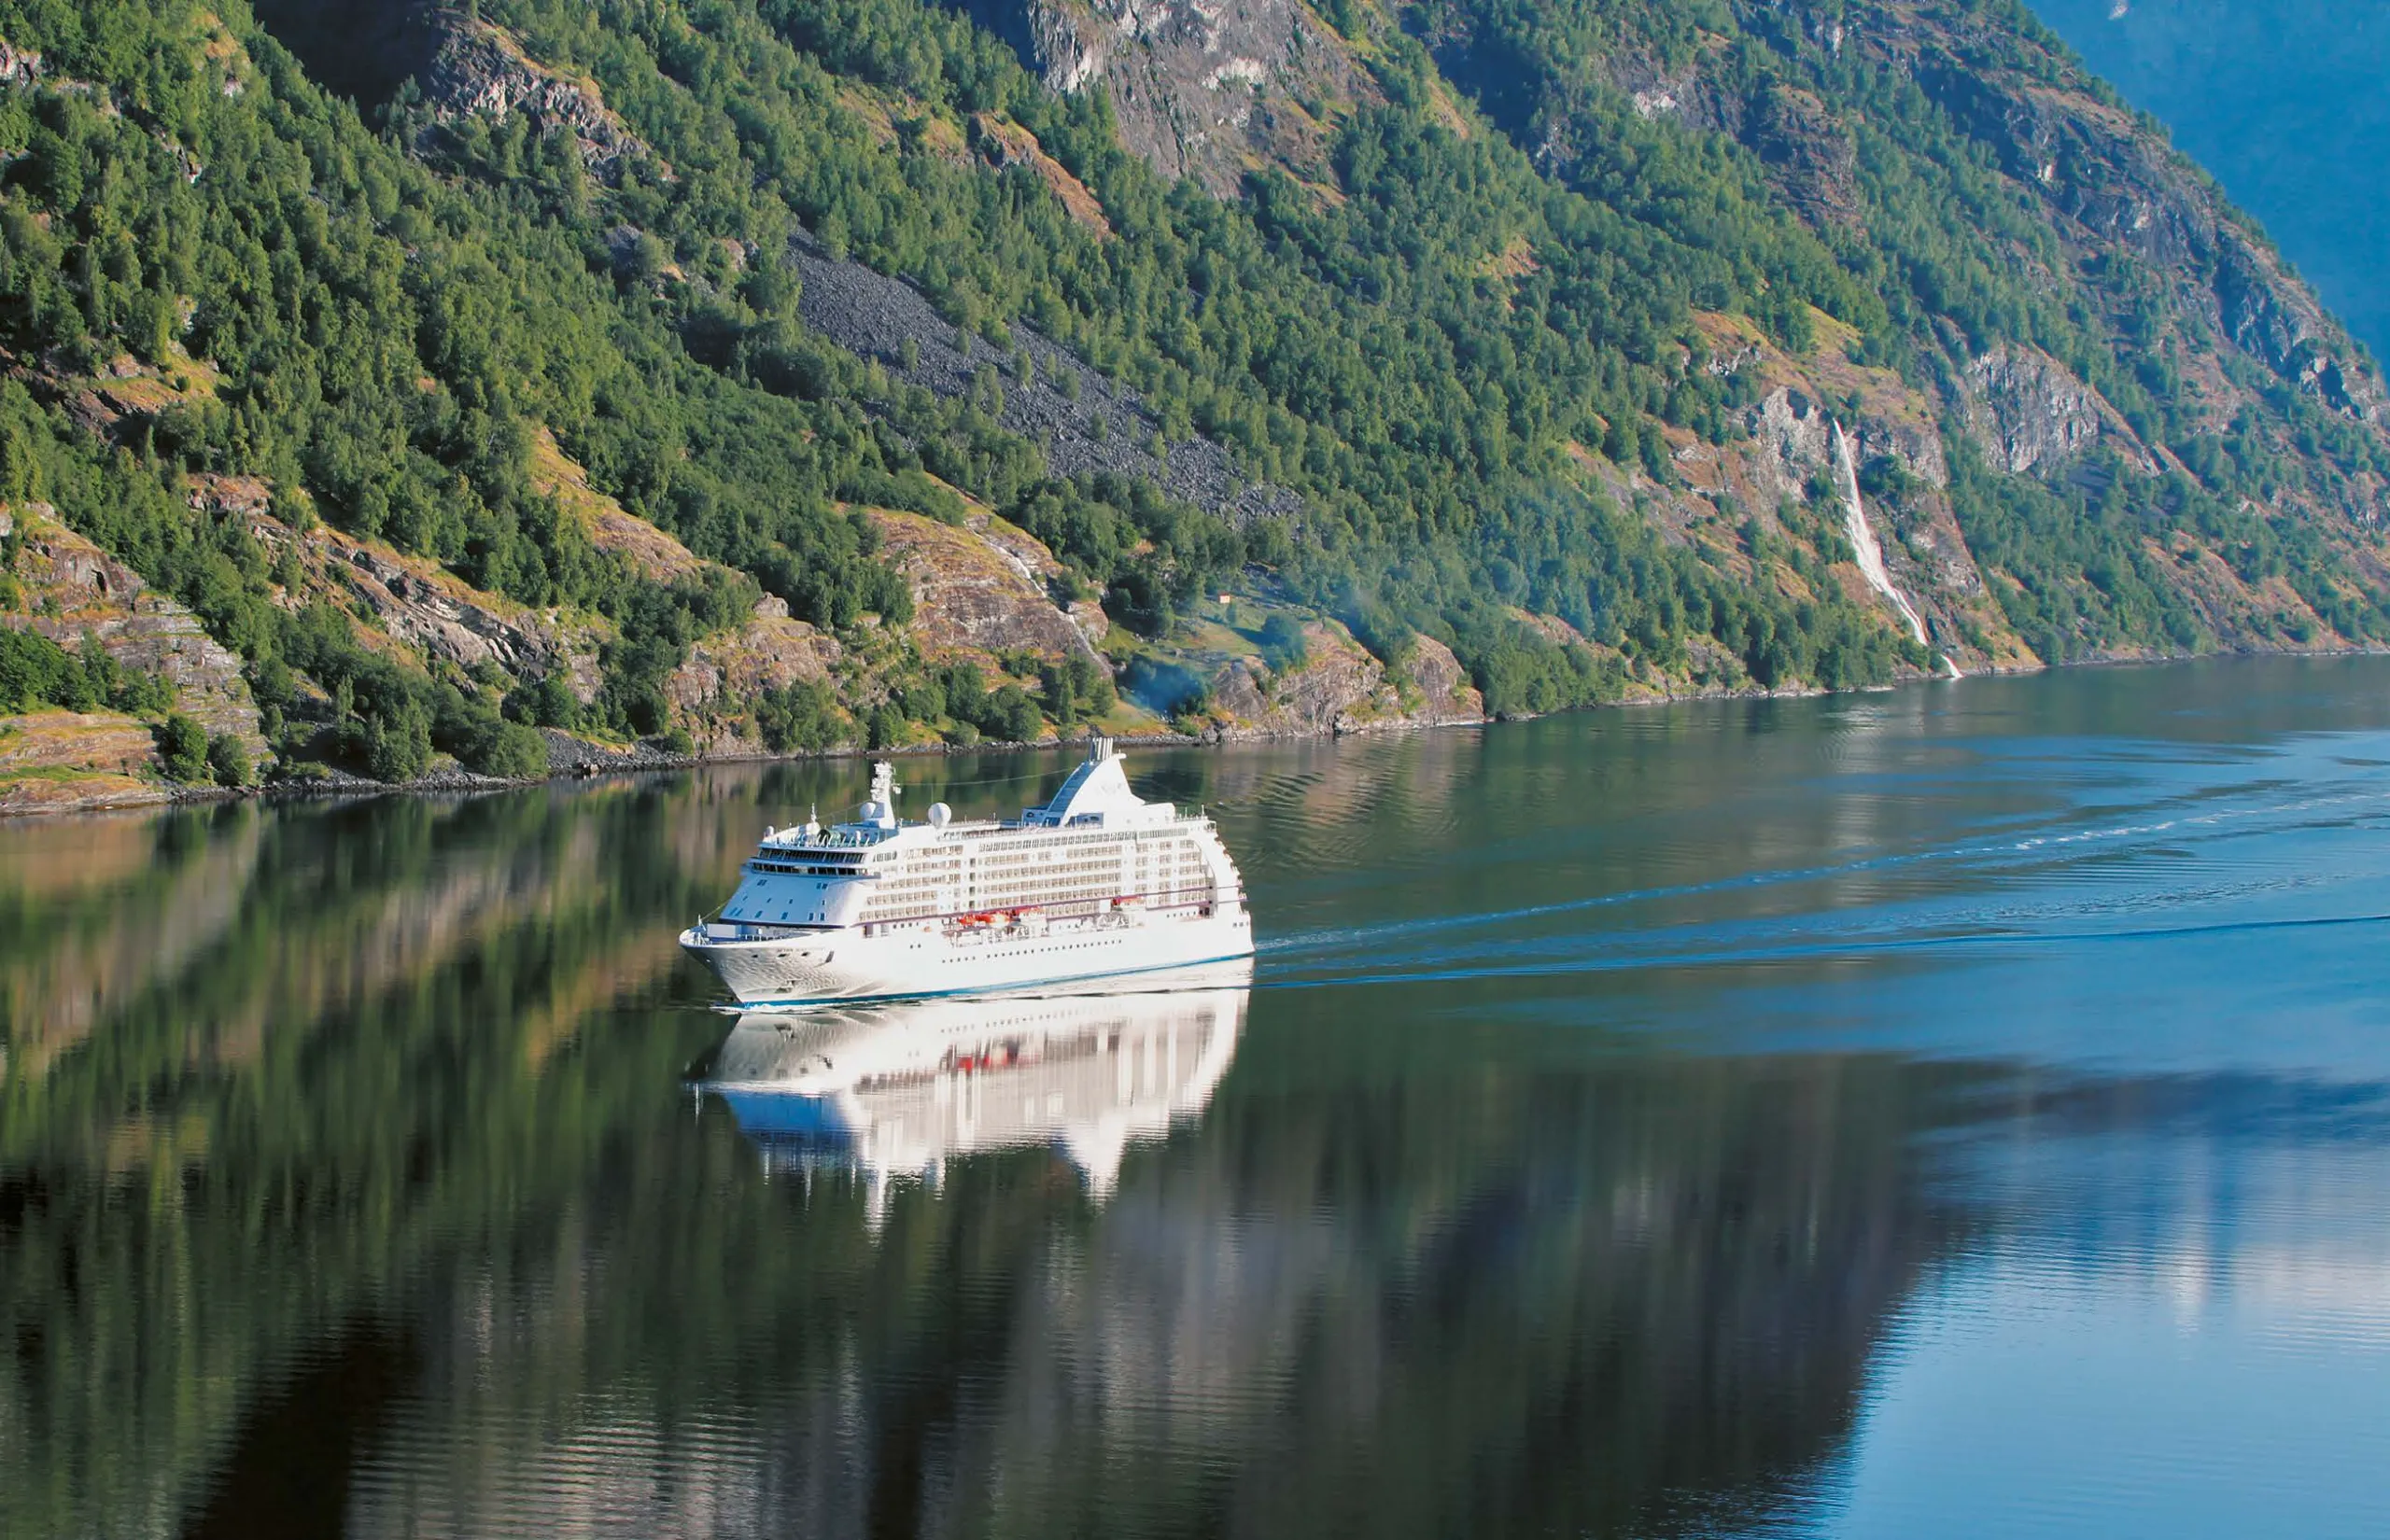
(840,839)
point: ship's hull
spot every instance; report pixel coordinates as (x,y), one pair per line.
(811,967)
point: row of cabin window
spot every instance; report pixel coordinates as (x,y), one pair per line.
(1011,851)
(1045,892)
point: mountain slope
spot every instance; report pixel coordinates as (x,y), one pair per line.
(2284,104)
(1534,343)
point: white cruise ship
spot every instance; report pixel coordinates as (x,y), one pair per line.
(1094,883)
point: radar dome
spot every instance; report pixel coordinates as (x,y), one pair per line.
(940,812)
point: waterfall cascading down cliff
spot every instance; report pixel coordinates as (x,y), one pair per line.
(1863,547)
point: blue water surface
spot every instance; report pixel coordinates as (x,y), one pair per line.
(1958,1111)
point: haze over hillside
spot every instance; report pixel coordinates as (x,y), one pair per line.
(391,384)
(2282,100)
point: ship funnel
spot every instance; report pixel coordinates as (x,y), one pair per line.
(881,808)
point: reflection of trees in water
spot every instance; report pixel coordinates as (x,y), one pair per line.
(1384,1302)
(1526,1304)
(358,1150)
(88,924)
(383,1139)
(326,1076)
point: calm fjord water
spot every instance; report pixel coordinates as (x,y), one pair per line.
(1962,1110)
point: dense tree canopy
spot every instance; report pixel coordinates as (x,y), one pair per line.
(379,308)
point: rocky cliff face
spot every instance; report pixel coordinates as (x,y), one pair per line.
(479,68)
(415,605)
(71,589)
(1808,153)
(2108,183)
(69,761)
(2030,411)
(1787,447)
(983,587)
(2188,297)
(770,652)
(1339,688)
(2111,185)
(1201,90)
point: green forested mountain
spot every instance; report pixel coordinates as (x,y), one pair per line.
(475,369)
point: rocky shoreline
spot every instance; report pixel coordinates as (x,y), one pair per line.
(574,759)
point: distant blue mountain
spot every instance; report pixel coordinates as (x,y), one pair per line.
(2286,103)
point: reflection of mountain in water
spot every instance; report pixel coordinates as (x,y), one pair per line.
(374,1186)
(1368,1295)
(896,1091)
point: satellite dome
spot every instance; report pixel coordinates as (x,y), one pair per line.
(939,814)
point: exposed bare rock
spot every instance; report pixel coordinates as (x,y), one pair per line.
(413,605)
(1795,431)
(1922,546)
(123,393)
(2114,185)
(1321,694)
(24,69)
(1200,88)
(59,761)
(244,496)
(770,652)
(1037,564)
(481,68)
(19,68)
(1085,423)
(71,589)
(976,591)
(1791,428)
(1552,628)
(2028,409)
(434,614)
(1444,694)
(1004,143)
(572,754)
(1339,688)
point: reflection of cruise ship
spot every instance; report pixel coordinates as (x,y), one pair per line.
(896,1091)
(1096,882)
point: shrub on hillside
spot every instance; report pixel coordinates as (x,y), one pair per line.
(227,761)
(182,748)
